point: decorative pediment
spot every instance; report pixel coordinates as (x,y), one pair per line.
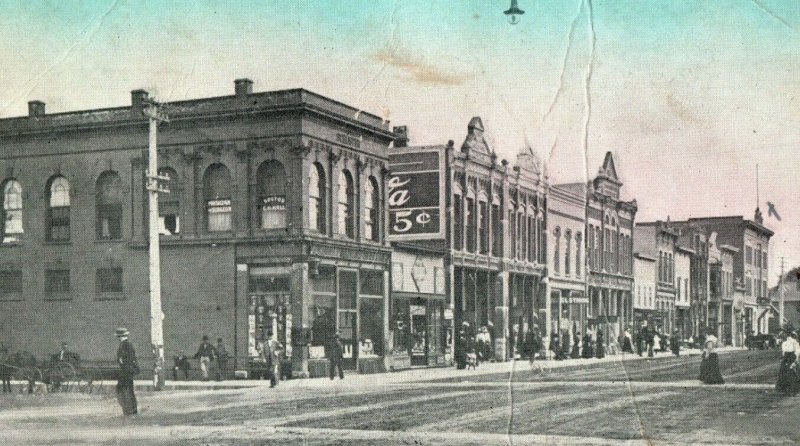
(475,140)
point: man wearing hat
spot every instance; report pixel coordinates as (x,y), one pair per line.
(335,355)
(129,367)
(206,354)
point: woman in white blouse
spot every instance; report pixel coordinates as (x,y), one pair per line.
(788,373)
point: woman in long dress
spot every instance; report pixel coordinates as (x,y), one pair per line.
(576,346)
(588,351)
(709,366)
(787,374)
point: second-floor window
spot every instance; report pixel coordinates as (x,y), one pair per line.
(497,229)
(346,205)
(458,222)
(12,210)
(217,194)
(108,197)
(317,193)
(578,249)
(169,220)
(483,226)
(557,250)
(372,206)
(567,252)
(471,227)
(58,211)
(271,184)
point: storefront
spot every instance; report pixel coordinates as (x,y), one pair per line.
(420,321)
(568,310)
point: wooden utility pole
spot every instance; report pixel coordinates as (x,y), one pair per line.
(155,116)
(780,294)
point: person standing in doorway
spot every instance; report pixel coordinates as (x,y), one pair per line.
(335,355)
(206,354)
(129,367)
(222,360)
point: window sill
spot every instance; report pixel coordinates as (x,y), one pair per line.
(110,296)
(109,240)
(57,242)
(11,244)
(58,297)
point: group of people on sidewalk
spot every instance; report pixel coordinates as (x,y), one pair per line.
(593,343)
(210,356)
(474,347)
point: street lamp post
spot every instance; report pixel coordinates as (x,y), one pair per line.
(155,116)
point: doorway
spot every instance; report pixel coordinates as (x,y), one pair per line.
(419,331)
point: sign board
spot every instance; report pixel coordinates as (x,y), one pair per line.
(416,194)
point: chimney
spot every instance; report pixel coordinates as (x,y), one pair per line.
(243,88)
(401,136)
(35,109)
(138,100)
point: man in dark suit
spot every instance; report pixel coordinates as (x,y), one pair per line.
(129,367)
(335,354)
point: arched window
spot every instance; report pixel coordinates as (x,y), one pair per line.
(12,209)
(271,187)
(471,220)
(217,195)
(317,197)
(169,222)
(483,223)
(58,209)
(497,226)
(372,206)
(346,204)
(108,204)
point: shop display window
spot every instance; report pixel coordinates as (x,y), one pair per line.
(371,338)
(323,325)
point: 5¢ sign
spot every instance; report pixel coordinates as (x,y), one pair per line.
(415,195)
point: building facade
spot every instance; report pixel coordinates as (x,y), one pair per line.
(659,239)
(566,218)
(609,246)
(273,226)
(683,279)
(495,237)
(725,313)
(644,300)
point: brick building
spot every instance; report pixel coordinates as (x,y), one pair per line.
(273,225)
(658,240)
(493,236)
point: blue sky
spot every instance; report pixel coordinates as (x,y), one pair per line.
(689,95)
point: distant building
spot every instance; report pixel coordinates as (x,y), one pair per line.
(683,279)
(644,291)
(658,240)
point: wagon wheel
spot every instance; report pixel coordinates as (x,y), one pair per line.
(29,377)
(60,377)
(90,380)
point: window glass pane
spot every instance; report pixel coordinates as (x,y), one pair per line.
(372,282)
(219,215)
(325,280)
(347,328)
(371,338)
(216,190)
(109,280)
(10,282)
(57,281)
(323,325)
(59,192)
(266,284)
(347,289)
(271,178)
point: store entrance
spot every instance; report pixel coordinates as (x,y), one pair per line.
(419,331)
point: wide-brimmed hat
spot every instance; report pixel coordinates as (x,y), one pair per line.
(121,331)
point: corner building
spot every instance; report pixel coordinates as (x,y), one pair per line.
(273,224)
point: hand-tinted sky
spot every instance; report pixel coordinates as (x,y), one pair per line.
(689,95)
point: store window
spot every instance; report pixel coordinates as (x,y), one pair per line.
(271,205)
(108,196)
(347,311)
(371,339)
(268,308)
(12,210)
(317,192)
(58,211)
(346,204)
(217,194)
(323,323)
(371,283)
(169,221)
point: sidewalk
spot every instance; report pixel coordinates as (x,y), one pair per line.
(403,376)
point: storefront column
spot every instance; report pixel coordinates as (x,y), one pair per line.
(241,347)
(501,318)
(548,316)
(387,347)
(300,309)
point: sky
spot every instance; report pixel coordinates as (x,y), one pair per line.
(689,96)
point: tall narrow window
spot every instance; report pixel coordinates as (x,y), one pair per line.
(471,223)
(578,249)
(217,194)
(271,179)
(169,221)
(531,248)
(483,225)
(108,199)
(497,228)
(346,204)
(58,210)
(512,231)
(567,251)
(557,250)
(542,238)
(372,206)
(458,223)
(590,246)
(12,207)
(317,193)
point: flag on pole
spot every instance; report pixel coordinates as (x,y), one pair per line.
(772,212)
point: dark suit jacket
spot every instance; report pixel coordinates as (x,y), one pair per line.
(126,358)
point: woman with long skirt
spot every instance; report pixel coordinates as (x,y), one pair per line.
(601,347)
(787,374)
(576,346)
(588,351)
(709,366)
